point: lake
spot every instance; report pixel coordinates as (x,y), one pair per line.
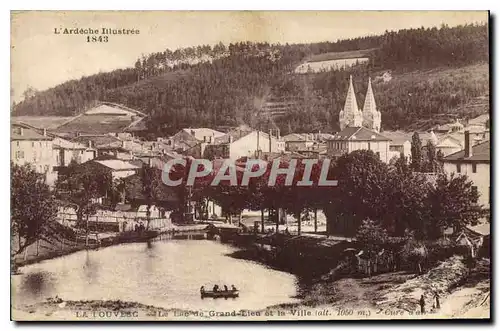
(167,274)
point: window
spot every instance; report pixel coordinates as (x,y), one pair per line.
(459,168)
(474,167)
(33,144)
(17,143)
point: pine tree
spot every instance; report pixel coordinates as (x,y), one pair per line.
(416,153)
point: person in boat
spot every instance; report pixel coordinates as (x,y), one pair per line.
(202,289)
(216,288)
(233,288)
(225,288)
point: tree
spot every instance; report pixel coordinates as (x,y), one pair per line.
(401,164)
(454,202)
(360,194)
(29,93)
(407,203)
(83,184)
(440,161)
(371,236)
(32,205)
(432,162)
(416,153)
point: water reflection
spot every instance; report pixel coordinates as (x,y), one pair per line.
(90,268)
(162,273)
(36,283)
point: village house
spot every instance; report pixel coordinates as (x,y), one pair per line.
(359,138)
(27,146)
(118,168)
(297,142)
(451,139)
(67,151)
(189,140)
(473,161)
(243,142)
(400,143)
(107,146)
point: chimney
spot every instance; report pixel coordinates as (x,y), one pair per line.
(230,139)
(21,131)
(279,136)
(45,132)
(90,143)
(468,144)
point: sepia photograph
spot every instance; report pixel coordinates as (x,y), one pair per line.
(250,165)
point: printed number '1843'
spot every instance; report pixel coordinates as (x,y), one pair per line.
(97,39)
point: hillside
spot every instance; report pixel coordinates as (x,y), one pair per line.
(437,74)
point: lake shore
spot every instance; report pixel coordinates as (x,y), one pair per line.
(392,295)
(384,296)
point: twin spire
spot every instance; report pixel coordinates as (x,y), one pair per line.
(352,116)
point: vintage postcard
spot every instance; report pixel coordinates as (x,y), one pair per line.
(250,166)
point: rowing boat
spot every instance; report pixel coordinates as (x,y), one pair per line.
(220,294)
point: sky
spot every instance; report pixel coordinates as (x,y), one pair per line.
(42,59)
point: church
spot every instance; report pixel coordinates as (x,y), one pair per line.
(352,116)
(360,129)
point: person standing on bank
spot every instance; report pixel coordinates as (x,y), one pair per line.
(422,304)
(436,296)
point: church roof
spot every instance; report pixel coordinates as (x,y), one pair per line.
(351,105)
(370,106)
(359,134)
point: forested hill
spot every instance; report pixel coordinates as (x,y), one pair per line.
(225,85)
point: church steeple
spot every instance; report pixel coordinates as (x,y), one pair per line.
(371,116)
(351,116)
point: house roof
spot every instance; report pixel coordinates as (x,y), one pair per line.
(480,152)
(480,120)
(234,134)
(397,137)
(200,133)
(117,165)
(359,134)
(27,133)
(99,140)
(294,137)
(66,144)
